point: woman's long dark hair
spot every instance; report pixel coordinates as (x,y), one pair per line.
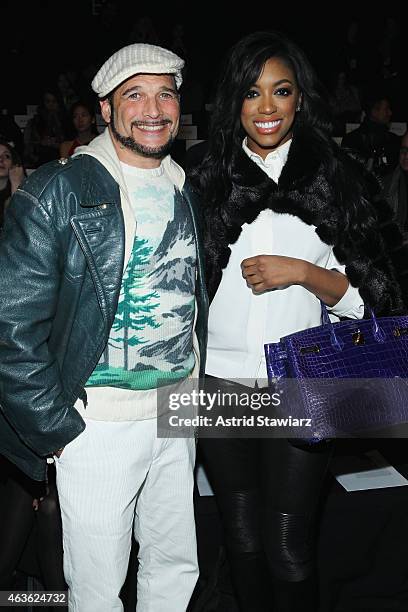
(15,157)
(44,120)
(240,71)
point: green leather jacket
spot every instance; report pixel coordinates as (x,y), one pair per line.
(61,263)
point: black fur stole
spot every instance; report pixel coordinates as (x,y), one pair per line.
(327,192)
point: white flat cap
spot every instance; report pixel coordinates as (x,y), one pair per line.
(138,58)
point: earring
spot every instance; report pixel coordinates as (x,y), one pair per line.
(298,108)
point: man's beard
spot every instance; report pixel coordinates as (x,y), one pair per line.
(130,143)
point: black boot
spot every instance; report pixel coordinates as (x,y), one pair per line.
(298,596)
(251,579)
(250,575)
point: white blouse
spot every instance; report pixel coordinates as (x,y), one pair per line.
(241,322)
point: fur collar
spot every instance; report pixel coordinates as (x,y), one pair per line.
(322,186)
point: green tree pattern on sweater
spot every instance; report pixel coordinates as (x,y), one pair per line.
(150,342)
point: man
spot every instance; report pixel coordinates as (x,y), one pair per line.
(101,281)
(372,142)
(396,188)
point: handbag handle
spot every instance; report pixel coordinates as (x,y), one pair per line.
(336,342)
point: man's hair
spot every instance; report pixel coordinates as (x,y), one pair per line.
(372,99)
(240,71)
(109,98)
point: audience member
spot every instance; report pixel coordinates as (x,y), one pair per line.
(396,188)
(390,49)
(372,142)
(84,126)
(351,53)
(67,90)
(344,101)
(45,131)
(85,75)
(10,131)
(391,68)
(11,176)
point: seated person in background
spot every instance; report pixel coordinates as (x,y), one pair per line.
(84,128)
(11,175)
(66,89)
(45,131)
(344,101)
(372,142)
(10,132)
(396,188)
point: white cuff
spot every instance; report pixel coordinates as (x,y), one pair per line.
(350,305)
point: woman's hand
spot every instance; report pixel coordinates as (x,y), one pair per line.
(265,272)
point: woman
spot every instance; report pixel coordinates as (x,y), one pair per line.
(45,131)
(345,102)
(288,223)
(11,175)
(396,188)
(65,85)
(84,124)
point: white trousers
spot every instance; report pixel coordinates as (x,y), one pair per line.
(115,477)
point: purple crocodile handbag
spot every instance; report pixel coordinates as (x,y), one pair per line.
(349,378)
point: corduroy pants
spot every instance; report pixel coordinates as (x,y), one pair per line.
(115,477)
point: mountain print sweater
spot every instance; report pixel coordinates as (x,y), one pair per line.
(127,403)
(151,340)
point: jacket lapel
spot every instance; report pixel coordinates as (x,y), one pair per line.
(100,233)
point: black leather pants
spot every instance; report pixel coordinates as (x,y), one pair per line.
(267,491)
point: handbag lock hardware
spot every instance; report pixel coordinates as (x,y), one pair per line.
(400,331)
(358,338)
(309,349)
